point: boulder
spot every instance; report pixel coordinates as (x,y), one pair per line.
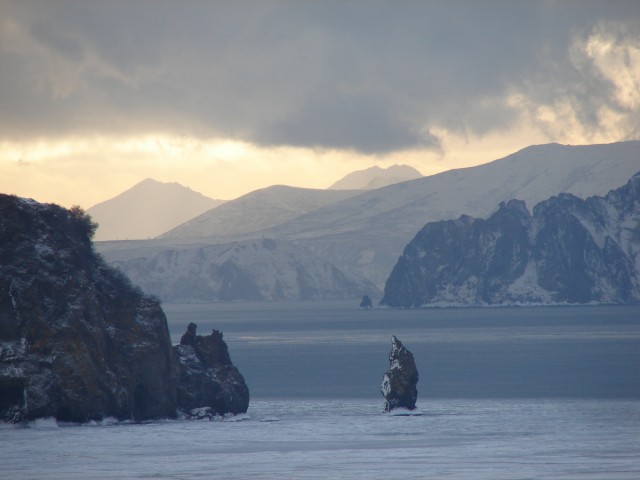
(207,377)
(399,382)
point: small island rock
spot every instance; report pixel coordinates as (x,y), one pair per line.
(207,378)
(366,303)
(399,382)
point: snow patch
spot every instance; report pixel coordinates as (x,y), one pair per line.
(47,422)
(43,249)
(404,412)
(241,417)
(386,385)
(525,289)
(366,257)
(269,419)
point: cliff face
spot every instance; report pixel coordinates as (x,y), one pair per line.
(251,270)
(568,250)
(207,375)
(77,340)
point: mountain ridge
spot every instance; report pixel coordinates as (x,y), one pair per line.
(384,220)
(256,211)
(365,234)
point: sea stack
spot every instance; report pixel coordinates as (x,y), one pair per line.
(209,384)
(366,303)
(399,382)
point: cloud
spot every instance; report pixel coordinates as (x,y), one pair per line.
(593,97)
(373,77)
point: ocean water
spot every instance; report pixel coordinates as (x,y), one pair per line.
(522,393)
(333,350)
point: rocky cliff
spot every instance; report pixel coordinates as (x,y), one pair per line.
(399,383)
(568,250)
(77,341)
(207,376)
(251,270)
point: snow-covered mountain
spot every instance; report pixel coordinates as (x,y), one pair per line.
(365,234)
(376,177)
(252,270)
(148,209)
(568,251)
(257,211)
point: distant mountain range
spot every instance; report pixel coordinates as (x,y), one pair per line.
(151,208)
(257,211)
(148,209)
(376,177)
(568,250)
(364,233)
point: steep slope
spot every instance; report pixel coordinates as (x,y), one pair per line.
(366,234)
(568,251)
(78,341)
(376,177)
(256,211)
(252,270)
(148,209)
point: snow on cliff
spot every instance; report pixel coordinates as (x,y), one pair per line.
(568,250)
(252,270)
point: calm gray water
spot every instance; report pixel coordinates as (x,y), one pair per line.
(510,393)
(333,350)
(467,439)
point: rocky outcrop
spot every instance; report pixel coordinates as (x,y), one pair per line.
(77,340)
(366,303)
(568,250)
(399,384)
(207,378)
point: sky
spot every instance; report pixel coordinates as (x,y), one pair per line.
(229,96)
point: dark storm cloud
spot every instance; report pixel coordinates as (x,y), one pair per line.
(371,76)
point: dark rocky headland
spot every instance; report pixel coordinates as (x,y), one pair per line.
(567,251)
(79,342)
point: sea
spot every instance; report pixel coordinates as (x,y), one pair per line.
(504,393)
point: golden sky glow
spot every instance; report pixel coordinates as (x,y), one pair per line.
(224,99)
(86,171)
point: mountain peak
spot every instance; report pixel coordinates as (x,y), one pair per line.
(376,177)
(148,209)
